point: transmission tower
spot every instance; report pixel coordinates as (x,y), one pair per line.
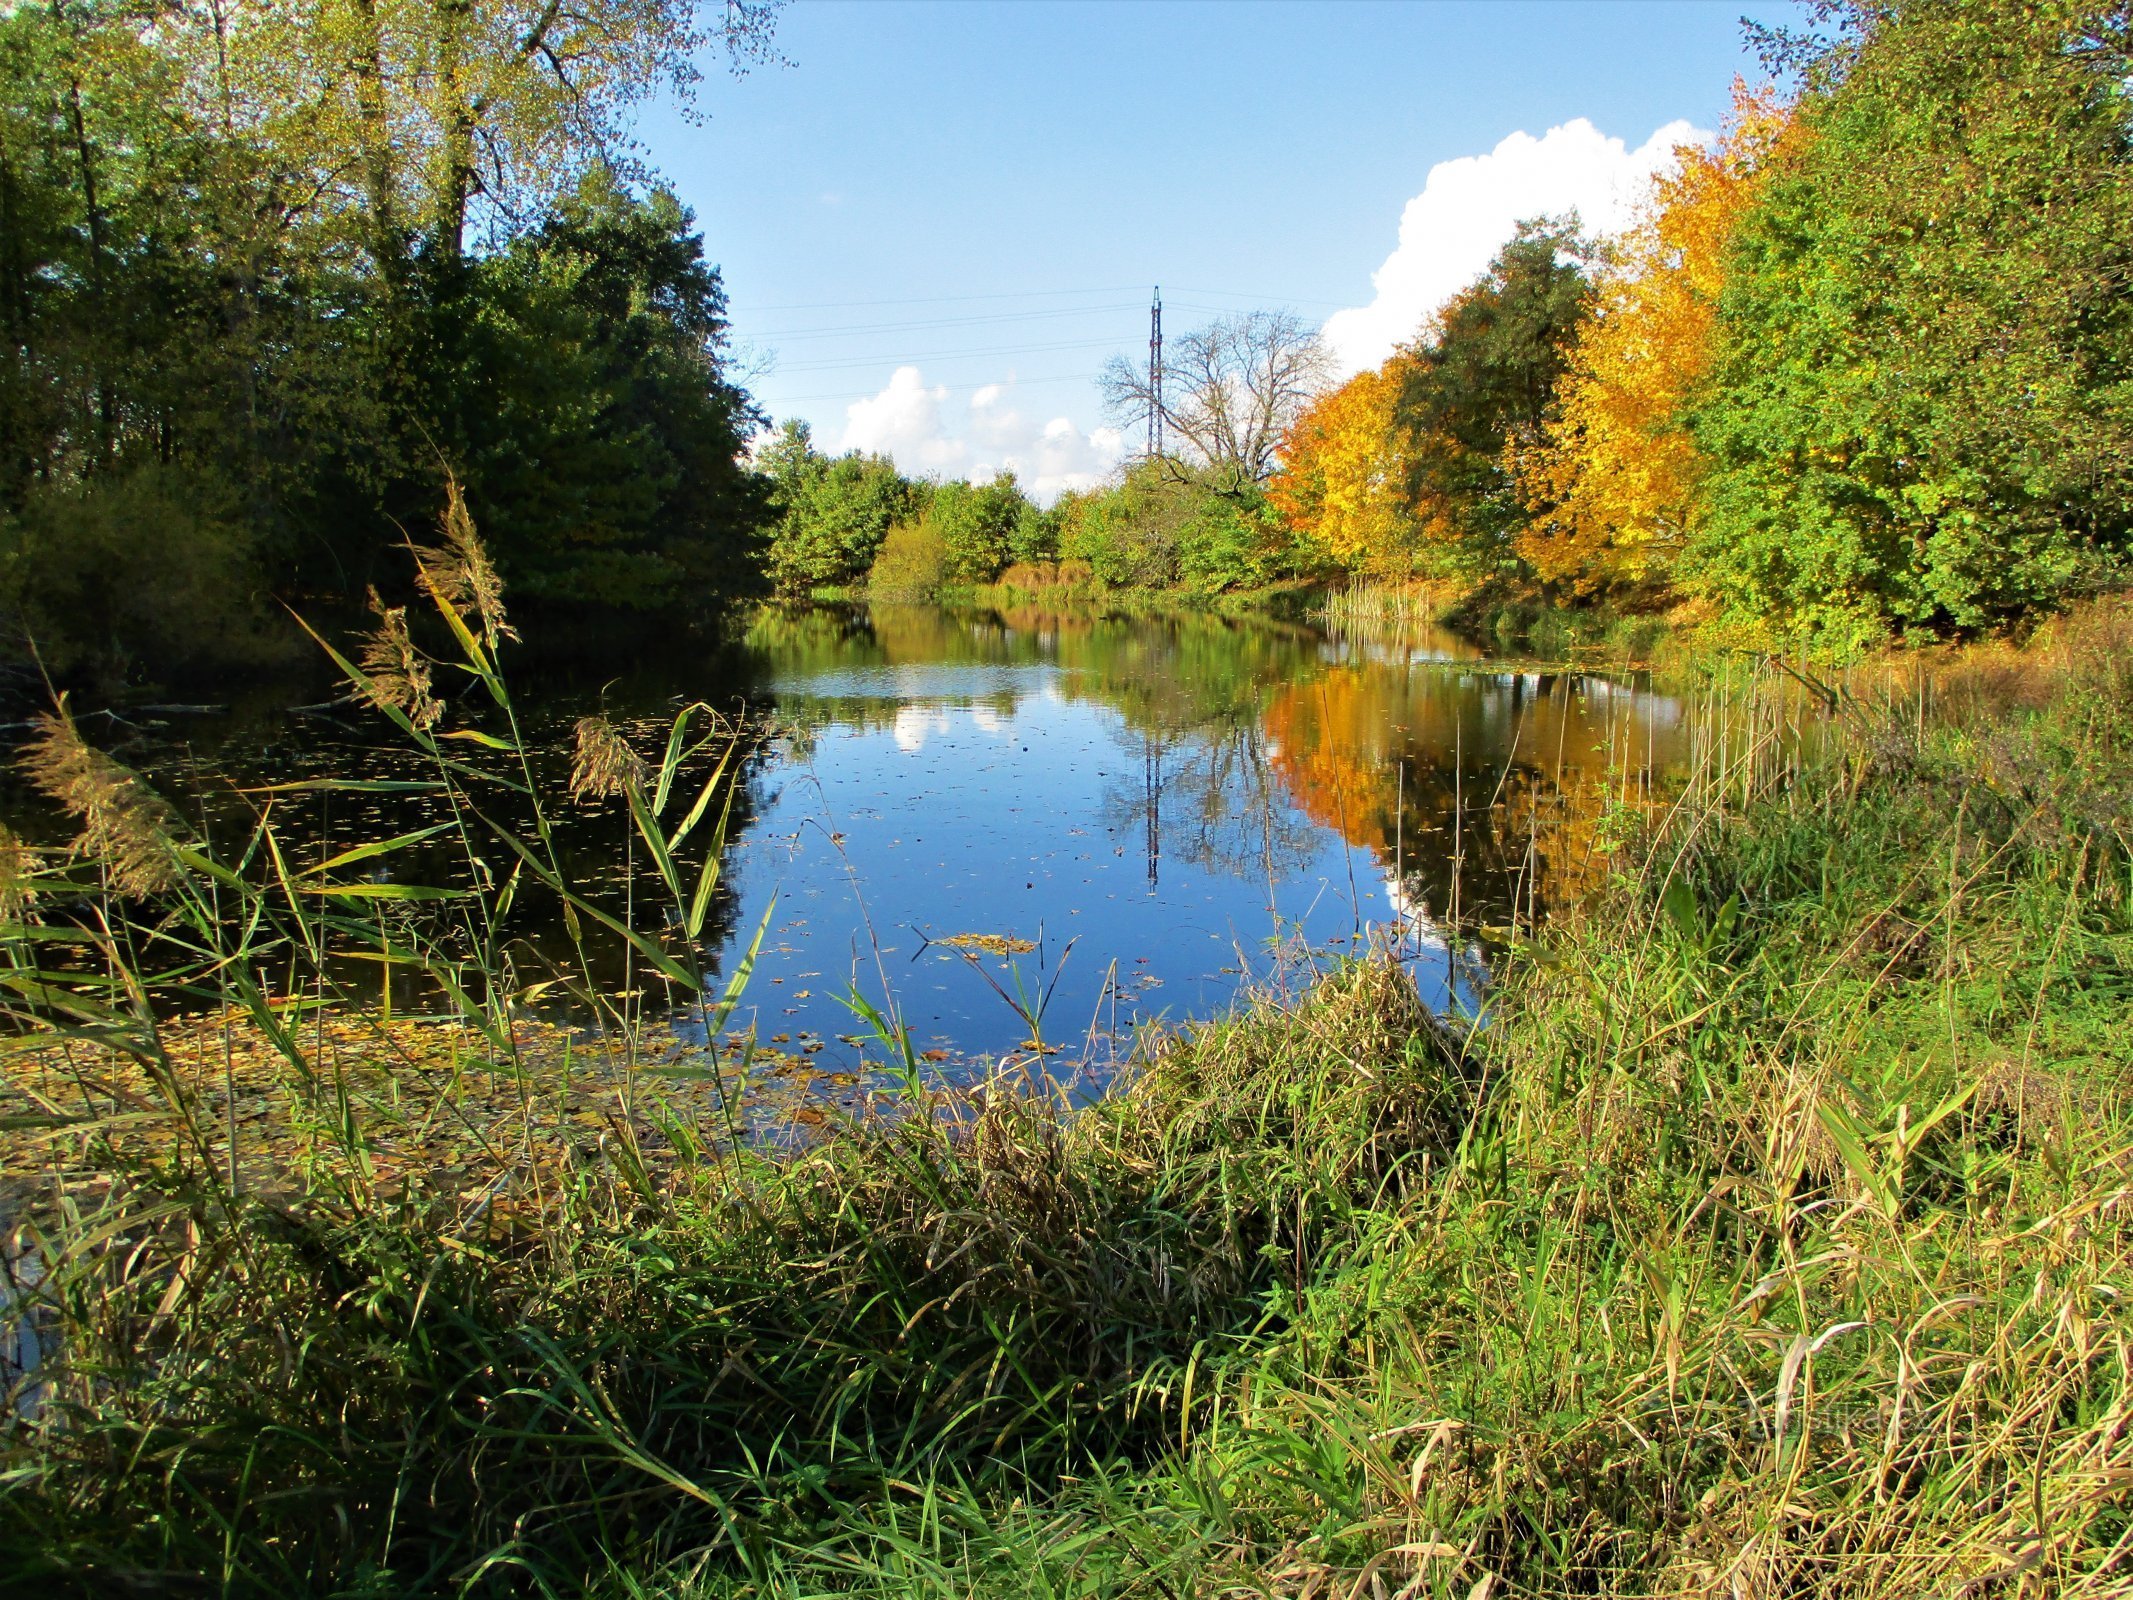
(1155,375)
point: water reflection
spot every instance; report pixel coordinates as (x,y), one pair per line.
(1172,805)
(1129,817)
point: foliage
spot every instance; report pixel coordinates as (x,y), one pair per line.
(832,512)
(984,526)
(1917,414)
(232,252)
(1478,387)
(1165,526)
(1615,484)
(597,427)
(1344,478)
(912,563)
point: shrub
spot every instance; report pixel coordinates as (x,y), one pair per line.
(913,563)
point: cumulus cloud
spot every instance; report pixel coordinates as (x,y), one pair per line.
(1468,208)
(926,432)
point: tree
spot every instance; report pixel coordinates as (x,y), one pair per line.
(1478,388)
(1231,390)
(241,313)
(1920,412)
(593,415)
(1614,484)
(1165,524)
(401,115)
(1344,478)
(832,513)
(981,525)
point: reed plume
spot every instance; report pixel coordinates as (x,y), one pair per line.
(458,573)
(18,871)
(125,825)
(398,673)
(604,764)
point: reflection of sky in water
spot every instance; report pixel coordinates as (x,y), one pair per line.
(1023,814)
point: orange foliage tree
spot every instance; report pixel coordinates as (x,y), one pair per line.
(1344,472)
(1613,485)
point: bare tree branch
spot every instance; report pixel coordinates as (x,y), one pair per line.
(1230,389)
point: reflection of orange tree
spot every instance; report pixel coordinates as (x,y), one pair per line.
(1386,756)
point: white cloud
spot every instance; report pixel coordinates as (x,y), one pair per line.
(1470,207)
(925,433)
(904,421)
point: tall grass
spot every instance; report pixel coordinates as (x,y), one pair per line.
(1767,1235)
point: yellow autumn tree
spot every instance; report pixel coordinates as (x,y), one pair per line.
(1613,484)
(1343,477)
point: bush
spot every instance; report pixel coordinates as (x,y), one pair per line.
(150,565)
(913,563)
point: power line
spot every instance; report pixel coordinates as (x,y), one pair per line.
(955,388)
(951,355)
(940,322)
(950,299)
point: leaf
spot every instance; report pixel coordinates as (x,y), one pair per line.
(1851,1139)
(380,847)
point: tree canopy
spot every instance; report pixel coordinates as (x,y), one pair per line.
(270,275)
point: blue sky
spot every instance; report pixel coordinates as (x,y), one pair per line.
(938,220)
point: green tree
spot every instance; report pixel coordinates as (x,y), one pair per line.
(832,513)
(1163,525)
(1479,386)
(601,441)
(234,282)
(1920,413)
(984,526)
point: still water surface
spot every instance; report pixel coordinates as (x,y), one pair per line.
(1154,811)
(1163,808)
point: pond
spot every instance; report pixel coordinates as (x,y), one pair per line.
(1162,809)
(1090,824)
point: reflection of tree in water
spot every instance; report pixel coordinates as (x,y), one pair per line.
(1164,675)
(1488,787)
(1212,799)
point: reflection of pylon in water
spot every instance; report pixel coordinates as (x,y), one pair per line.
(1152,806)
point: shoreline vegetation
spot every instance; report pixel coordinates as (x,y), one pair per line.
(1766,1233)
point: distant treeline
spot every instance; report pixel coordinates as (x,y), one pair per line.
(269,275)
(1862,369)
(1865,368)
(854,521)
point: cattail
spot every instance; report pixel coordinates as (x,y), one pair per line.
(18,872)
(605,764)
(399,674)
(459,573)
(125,824)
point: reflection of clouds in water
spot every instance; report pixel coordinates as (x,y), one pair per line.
(915,724)
(989,720)
(1411,910)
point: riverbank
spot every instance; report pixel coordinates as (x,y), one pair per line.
(1023,588)
(1771,1237)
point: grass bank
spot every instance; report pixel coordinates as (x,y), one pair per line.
(1769,1236)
